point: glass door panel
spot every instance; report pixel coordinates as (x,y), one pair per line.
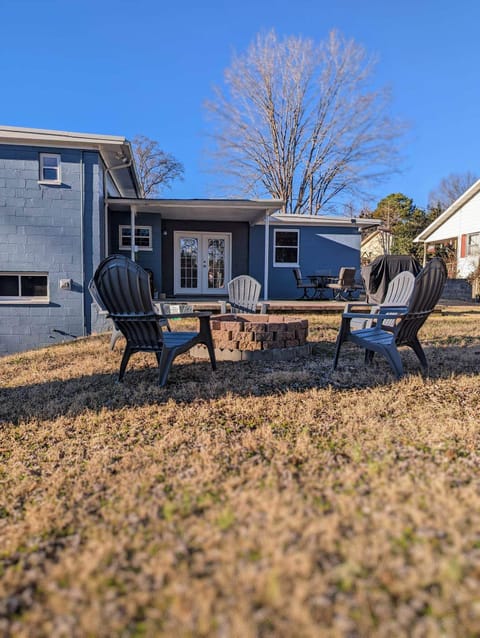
(189,262)
(215,263)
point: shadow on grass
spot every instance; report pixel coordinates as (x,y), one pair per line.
(195,381)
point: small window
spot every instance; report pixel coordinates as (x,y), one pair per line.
(286,247)
(143,237)
(50,168)
(23,287)
(473,245)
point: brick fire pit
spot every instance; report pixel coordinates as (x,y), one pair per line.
(253,337)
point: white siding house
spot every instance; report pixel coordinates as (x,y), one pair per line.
(457,229)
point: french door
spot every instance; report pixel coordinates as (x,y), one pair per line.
(202,263)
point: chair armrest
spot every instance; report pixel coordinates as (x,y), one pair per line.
(391,313)
(186,315)
(359,304)
(375,317)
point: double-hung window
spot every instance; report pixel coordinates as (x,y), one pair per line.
(50,168)
(24,287)
(473,245)
(286,247)
(143,237)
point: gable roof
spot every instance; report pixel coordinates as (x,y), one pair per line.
(449,212)
(375,233)
(116,151)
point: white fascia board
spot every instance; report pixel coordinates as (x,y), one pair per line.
(15,134)
(319,220)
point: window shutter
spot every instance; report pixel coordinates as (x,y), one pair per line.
(463,246)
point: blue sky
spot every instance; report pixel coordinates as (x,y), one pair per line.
(146,66)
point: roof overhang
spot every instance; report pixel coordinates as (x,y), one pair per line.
(252,211)
(449,212)
(116,151)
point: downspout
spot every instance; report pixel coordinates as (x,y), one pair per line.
(424,253)
(82,234)
(133,212)
(266,261)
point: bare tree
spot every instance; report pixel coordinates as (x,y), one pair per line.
(449,189)
(156,169)
(299,122)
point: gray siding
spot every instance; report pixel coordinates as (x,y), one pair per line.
(48,228)
(322,250)
(151,259)
(160,259)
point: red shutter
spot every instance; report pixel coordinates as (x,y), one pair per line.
(463,246)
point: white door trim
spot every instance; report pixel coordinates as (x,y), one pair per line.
(202,281)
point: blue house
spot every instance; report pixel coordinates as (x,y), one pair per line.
(69,199)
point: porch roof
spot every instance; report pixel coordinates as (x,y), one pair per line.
(252,211)
(246,210)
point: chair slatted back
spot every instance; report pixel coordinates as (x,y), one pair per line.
(399,292)
(244,293)
(124,288)
(298,276)
(346,277)
(427,290)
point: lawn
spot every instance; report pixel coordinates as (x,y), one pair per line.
(260,500)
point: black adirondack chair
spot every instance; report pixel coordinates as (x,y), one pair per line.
(386,338)
(124,288)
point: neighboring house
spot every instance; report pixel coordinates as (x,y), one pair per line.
(69,199)
(375,244)
(455,234)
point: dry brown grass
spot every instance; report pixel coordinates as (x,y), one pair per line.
(269,500)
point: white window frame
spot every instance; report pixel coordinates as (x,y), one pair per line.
(476,252)
(122,246)
(282,264)
(19,299)
(42,178)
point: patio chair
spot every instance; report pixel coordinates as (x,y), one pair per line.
(399,292)
(124,289)
(101,309)
(306,284)
(243,295)
(385,339)
(345,285)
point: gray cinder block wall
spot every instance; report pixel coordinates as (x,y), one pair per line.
(52,229)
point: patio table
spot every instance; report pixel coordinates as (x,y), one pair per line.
(320,282)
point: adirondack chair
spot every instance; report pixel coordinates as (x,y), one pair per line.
(399,292)
(345,285)
(243,295)
(306,284)
(385,339)
(101,309)
(124,288)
